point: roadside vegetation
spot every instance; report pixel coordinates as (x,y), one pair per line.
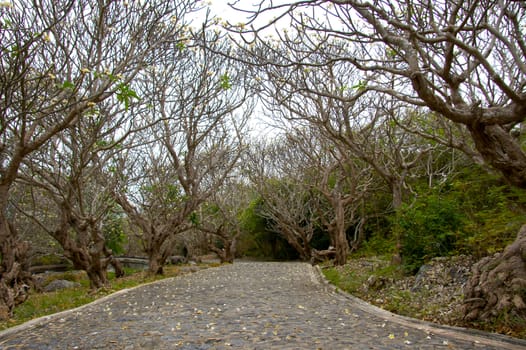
(472,216)
(45,303)
(433,296)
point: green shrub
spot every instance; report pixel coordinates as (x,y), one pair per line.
(494,211)
(114,233)
(427,229)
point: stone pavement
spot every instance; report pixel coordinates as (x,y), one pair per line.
(247,305)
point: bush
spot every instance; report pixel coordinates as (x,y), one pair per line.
(429,228)
(494,211)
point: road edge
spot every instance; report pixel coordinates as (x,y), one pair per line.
(499,341)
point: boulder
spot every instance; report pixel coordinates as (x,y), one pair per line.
(177,260)
(60,285)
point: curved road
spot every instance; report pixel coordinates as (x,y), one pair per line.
(247,305)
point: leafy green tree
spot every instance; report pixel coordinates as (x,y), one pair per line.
(428,228)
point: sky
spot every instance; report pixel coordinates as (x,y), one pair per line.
(260,123)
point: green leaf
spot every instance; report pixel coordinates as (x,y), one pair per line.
(390,53)
(360,86)
(67,85)
(180,46)
(194,218)
(224,82)
(125,94)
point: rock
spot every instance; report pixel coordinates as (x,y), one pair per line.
(177,260)
(421,277)
(375,282)
(443,272)
(59,285)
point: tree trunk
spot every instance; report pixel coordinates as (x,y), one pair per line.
(225,254)
(155,264)
(498,284)
(117,266)
(98,278)
(90,262)
(15,278)
(500,149)
(340,235)
(85,251)
(301,245)
(228,251)
(157,255)
(342,248)
(396,189)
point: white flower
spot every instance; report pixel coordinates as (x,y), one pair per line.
(6,4)
(47,37)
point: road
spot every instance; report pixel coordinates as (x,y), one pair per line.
(247,305)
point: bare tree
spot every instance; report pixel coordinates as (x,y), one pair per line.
(200,102)
(154,202)
(71,170)
(334,100)
(342,179)
(59,59)
(461,59)
(464,60)
(307,184)
(365,127)
(219,217)
(287,203)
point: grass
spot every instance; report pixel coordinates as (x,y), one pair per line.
(42,304)
(417,304)
(351,278)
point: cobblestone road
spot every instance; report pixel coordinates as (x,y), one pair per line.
(247,305)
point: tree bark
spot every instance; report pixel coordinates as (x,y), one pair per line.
(15,278)
(497,286)
(88,260)
(158,251)
(342,248)
(499,148)
(155,264)
(225,254)
(339,234)
(117,266)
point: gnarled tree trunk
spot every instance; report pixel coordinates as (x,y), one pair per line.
(225,254)
(498,284)
(158,250)
(86,259)
(501,150)
(155,263)
(15,278)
